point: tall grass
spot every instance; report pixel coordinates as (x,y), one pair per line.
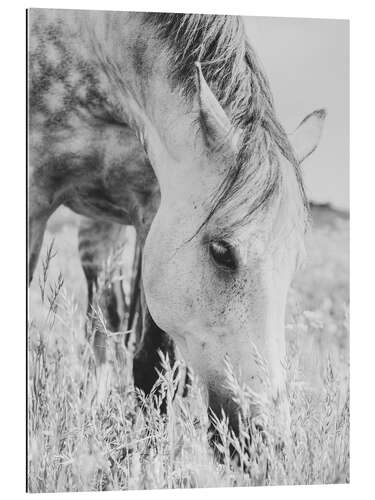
(78,442)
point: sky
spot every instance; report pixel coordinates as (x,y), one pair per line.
(307,64)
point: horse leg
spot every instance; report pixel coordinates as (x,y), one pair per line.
(147,362)
(106,304)
(37,226)
(40,210)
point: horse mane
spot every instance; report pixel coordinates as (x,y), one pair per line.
(235,76)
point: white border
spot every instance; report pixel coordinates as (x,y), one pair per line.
(12,259)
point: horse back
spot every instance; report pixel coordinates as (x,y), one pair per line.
(80,154)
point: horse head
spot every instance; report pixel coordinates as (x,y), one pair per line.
(228,235)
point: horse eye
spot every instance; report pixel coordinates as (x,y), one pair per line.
(223,254)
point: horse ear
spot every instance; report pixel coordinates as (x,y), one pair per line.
(217,127)
(306,137)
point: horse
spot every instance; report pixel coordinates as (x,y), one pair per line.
(166,122)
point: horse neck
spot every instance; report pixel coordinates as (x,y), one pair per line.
(139,67)
(138,70)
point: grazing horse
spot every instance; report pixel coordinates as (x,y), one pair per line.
(166,122)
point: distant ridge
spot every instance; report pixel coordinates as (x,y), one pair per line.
(325,214)
(327,207)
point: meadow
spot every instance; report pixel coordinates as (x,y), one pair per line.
(78,443)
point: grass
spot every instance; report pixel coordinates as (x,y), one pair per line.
(77,443)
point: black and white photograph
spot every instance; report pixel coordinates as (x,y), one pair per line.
(188,250)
